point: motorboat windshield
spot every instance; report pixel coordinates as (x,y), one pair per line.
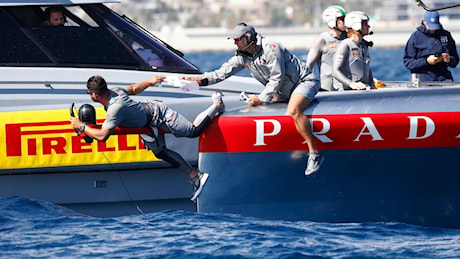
(93,37)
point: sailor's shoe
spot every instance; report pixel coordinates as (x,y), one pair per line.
(217,100)
(198,182)
(314,161)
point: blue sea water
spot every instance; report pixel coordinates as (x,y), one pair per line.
(38,229)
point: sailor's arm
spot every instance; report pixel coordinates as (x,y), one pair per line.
(315,53)
(234,65)
(411,60)
(275,63)
(137,88)
(340,59)
(201,82)
(453,59)
(101,134)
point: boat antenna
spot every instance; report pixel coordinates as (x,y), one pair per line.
(421,4)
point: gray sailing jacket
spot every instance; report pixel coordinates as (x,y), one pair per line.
(322,54)
(352,64)
(272,65)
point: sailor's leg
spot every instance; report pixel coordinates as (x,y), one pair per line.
(301,99)
(175,160)
(158,146)
(205,118)
(180,126)
(202,121)
(297,104)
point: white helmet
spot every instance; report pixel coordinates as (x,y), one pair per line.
(353,20)
(331,14)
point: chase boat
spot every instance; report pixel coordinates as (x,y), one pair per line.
(391,154)
(44,69)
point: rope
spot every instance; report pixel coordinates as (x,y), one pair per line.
(122,182)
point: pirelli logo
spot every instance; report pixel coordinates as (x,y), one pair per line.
(53,141)
(31,139)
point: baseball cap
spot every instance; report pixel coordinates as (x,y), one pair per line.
(432,20)
(241,29)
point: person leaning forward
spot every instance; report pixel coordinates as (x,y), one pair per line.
(124,111)
(285,77)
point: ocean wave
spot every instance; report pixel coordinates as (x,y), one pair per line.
(37,229)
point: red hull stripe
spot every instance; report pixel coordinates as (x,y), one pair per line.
(333,132)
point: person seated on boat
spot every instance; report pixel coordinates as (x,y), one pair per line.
(430,51)
(285,77)
(352,60)
(323,50)
(124,111)
(54,16)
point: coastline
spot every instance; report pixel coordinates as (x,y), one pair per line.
(215,39)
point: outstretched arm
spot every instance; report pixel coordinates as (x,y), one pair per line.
(137,88)
(234,65)
(99,134)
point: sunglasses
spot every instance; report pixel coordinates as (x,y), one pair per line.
(238,39)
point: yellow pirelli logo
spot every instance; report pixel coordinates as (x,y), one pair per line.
(34,139)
